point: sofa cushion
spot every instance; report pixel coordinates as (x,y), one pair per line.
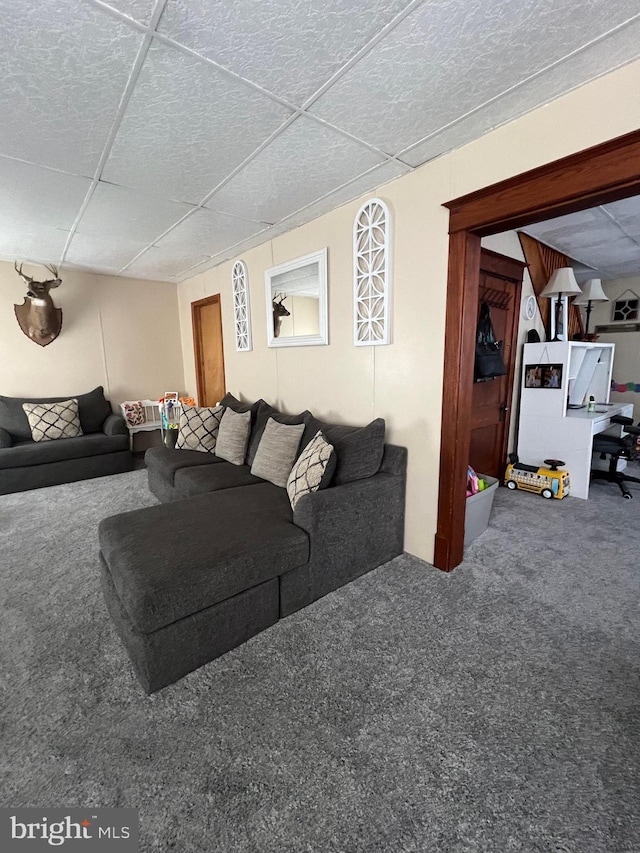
(231,402)
(313,470)
(5,438)
(189,482)
(233,436)
(277,452)
(199,428)
(228,542)
(25,453)
(92,407)
(166,461)
(359,450)
(265,411)
(53,421)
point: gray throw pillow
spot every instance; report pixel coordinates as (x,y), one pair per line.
(199,427)
(359,450)
(49,421)
(233,435)
(277,451)
(313,470)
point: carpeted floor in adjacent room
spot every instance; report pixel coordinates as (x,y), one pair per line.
(494,709)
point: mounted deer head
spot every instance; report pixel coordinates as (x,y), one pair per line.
(38,317)
(279,311)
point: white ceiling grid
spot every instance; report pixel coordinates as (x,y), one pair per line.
(156,138)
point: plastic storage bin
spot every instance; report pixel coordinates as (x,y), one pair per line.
(479,509)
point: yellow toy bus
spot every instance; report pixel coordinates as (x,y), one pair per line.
(548,482)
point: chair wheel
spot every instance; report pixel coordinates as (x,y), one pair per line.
(628,497)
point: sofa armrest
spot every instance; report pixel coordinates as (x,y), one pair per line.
(352,528)
(5,438)
(114,425)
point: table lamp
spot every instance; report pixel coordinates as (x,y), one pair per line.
(562,283)
(591,292)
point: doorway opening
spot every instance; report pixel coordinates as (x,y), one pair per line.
(598,175)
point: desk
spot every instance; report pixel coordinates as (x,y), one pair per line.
(548,428)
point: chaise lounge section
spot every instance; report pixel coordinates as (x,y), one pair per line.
(225,555)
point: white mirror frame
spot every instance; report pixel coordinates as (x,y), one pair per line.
(320,339)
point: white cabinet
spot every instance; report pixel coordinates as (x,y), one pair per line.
(554,422)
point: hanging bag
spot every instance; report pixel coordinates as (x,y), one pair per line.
(489,362)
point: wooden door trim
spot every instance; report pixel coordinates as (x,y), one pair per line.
(598,175)
(198,355)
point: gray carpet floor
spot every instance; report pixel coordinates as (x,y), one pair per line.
(493,709)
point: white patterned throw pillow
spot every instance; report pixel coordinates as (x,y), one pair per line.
(199,427)
(313,470)
(50,421)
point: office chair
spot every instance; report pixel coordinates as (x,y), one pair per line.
(616,448)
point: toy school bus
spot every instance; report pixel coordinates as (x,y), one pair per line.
(548,482)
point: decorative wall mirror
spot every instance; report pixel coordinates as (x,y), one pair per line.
(296,297)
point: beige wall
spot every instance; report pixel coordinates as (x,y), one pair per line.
(626,361)
(120,333)
(401,382)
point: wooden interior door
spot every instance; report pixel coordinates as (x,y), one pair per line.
(500,286)
(206,318)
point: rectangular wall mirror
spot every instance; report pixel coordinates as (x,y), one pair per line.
(296,296)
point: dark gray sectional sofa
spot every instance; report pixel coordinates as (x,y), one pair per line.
(224,556)
(26,464)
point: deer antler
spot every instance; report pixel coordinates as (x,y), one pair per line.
(53,270)
(27,279)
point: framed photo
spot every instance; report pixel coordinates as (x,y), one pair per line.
(543,376)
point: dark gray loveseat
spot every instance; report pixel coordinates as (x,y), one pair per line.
(224,556)
(27,464)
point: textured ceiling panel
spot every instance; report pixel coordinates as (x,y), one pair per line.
(627,214)
(31,242)
(612,51)
(446,58)
(63,68)
(289,47)
(160,264)
(187,127)
(32,194)
(139,10)
(306,161)
(363,184)
(94,251)
(595,239)
(126,214)
(206,232)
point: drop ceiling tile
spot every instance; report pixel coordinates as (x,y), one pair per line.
(63,67)
(206,232)
(126,214)
(598,59)
(187,126)
(627,213)
(306,161)
(160,265)
(102,251)
(447,58)
(39,196)
(577,232)
(288,47)
(139,10)
(364,184)
(38,243)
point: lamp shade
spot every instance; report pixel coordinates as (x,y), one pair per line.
(562,283)
(591,292)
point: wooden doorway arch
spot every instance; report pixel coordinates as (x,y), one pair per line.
(598,175)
